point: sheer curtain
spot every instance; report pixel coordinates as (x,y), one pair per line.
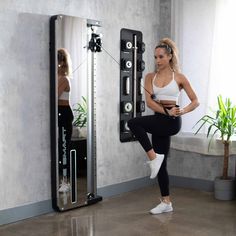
(223,62)
(205,34)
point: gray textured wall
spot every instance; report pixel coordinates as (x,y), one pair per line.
(165,19)
(24,108)
(24,93)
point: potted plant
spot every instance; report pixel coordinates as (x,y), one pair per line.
(223,123)
(80,120)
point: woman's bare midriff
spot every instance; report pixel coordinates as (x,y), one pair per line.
(63,103)
(167,104)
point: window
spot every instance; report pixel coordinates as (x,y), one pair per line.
(205,34)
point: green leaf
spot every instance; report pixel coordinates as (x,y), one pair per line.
(224,121)
(81,113)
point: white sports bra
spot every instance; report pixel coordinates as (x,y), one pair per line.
(65,96)
(170,92)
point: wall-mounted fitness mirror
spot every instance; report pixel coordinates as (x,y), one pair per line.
(72,88)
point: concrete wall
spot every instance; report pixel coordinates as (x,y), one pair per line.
(24,93)
(24,108)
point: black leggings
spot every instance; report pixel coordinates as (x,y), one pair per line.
(161,127)
(65,119)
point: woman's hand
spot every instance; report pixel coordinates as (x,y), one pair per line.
(176,111)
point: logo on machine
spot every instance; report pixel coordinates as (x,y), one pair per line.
(64,147)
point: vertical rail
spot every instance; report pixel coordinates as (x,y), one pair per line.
(90,138)
(135,75)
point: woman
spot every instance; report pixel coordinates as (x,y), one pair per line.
(65,116)
(165,86)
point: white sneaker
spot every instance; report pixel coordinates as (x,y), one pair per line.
(155,165)
(161,208)
(64,187)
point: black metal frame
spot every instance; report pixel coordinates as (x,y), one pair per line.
(131,68)
(53,110)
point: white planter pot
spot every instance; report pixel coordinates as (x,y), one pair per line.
(79,132)
(83,132)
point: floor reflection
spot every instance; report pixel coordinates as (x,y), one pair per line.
(82,227)
(65,199)
(195,213)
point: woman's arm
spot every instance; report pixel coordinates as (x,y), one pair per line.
(194,103)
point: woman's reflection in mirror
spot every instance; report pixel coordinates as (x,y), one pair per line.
(65,117)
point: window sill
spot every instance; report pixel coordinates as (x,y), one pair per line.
(199,143)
